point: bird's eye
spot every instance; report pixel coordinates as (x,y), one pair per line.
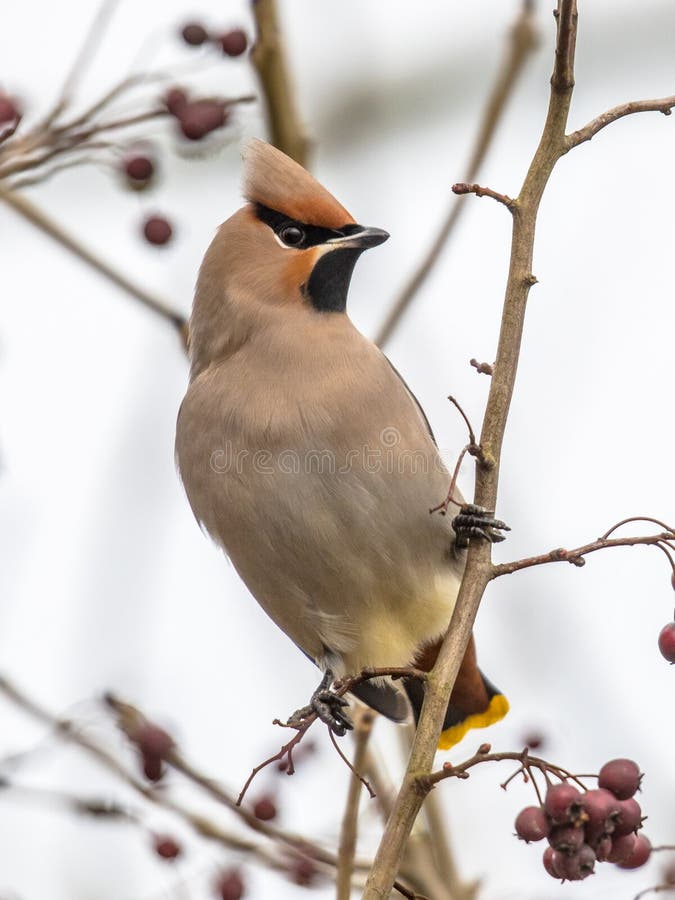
(292,235)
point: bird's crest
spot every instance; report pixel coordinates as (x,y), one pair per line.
(278,182)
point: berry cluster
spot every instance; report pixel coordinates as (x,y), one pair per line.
(231,43)
(196,118)
(585,827)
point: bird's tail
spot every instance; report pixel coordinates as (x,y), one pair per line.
(474,703)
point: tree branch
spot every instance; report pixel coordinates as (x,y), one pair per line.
(363,726)
(664,105)
(522,40)
(51,227)
(287,131)
(576,556)
(478,566)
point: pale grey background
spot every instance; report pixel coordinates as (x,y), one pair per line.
(108,583)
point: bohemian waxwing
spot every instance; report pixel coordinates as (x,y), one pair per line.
(306,457)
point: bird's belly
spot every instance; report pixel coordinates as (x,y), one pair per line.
(345,560)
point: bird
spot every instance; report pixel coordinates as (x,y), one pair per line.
(308,460)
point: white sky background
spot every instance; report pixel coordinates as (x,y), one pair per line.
(108,583)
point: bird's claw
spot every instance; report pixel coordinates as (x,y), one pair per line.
(328,706)
(476,522)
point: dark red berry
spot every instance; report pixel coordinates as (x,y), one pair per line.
(303,871)
(602,807)
(667,642)
(629,817)
(157,231)
(620,776)
(566,839)
(151,739)
(194,34)
(532,824)
(230,885)
(563,804)
(176,99)
(153,768)
(9,110)
(550,860)
(622,848)
(166,847)
(642,850)
(200,117)
(533,740)
(234,42)
(139,168)
(265,809)
(576,866)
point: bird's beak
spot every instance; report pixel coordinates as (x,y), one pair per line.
(360,238)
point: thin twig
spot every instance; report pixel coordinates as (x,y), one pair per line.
(363,726)
(663,105)
(462,188)
(93,37)
(287,131)
(522,40)
(576,556)
(50,226)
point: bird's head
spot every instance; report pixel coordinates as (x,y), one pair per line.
(290,250)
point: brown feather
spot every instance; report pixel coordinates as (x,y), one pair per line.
(469,693)
(278,182)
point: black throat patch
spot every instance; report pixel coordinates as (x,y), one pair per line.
(328,284)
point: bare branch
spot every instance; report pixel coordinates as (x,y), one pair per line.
(363,726)
(287,131)
(576,556)
(664,105)
(462,188)
(94,35)
(49,226)
(522,40)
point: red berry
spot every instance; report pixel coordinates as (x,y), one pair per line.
(620,776)
(166,847)
(230,885)
(667,642)
(629,817)
(152,767)
(153,740)
(139,168)
(532,824)
(234,42)
(563,804)
(602,807)
(534,740)
(265,809)
(550,860)
(194,34)
(642,850)
(200,117)
(622,848)
(158,231)
(566,839)
(176,99)
(578,865)
(303,871)
(9,111)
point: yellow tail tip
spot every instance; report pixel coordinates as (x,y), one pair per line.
(497,709)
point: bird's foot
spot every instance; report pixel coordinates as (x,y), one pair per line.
(327,706)
(476,522)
